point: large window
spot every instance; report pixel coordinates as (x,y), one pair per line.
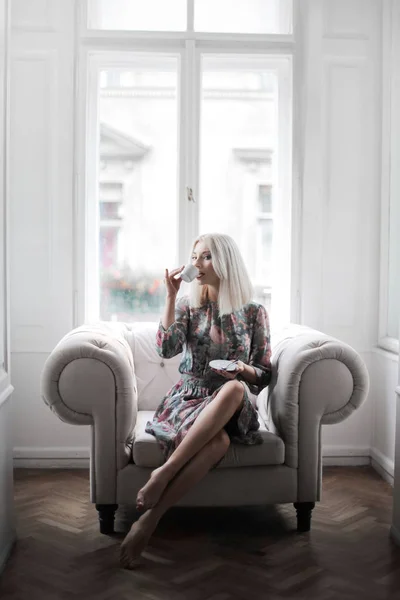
(191,139)
(137,179)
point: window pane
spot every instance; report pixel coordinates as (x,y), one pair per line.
(137,187)
(265,198)
(138,15)
(264,250)
(237,158)
(239,16)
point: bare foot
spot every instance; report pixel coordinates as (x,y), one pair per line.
(151,493)
(134,543)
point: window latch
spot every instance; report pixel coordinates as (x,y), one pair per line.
(189,194)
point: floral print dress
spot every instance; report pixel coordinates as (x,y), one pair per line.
(203,335)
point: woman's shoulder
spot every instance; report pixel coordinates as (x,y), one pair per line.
(254,307)
(255,313)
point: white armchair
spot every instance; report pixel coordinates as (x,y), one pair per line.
(109,376)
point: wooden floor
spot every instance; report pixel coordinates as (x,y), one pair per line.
(206,554)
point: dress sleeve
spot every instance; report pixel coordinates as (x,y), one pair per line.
(260,353)
(170,342)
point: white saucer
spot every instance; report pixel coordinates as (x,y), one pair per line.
(222,365)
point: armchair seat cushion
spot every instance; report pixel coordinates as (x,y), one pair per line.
(147,453)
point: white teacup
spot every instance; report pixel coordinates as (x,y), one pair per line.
(189,273)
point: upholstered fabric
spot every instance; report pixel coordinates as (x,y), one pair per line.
(89,380)
(248,486)
(154,375)
(146,451)
(109,375)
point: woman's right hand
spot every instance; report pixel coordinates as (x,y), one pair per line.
(171,283)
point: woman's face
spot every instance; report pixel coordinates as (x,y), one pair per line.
(202,259)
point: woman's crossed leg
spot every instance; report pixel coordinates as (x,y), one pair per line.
(207,425)
(193,471)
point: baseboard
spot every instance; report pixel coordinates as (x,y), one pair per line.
(395,534)
(78,458)
(51,458)
(382,465)
(341,456)
(5,553)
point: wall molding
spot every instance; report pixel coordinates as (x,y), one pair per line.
(58,457)
(43,17)
(336,29)
(53,457)
(383,465)
(385,462)
(388,354)
(346,456)
(33,332)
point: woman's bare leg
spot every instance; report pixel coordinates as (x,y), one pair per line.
(141,531)
(209,422)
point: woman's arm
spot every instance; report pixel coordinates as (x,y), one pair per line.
(260,354)
(168,317)
(258,372)
(247,372)
(172,286)
(172,331)
(170,341)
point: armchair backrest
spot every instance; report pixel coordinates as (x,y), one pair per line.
(154,375)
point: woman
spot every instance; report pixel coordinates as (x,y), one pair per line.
(203,412)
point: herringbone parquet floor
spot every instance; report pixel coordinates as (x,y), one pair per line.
(206,554)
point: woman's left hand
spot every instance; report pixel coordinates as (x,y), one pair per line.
(231,374)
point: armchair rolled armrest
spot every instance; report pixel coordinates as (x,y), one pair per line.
(89,379)
(316,379)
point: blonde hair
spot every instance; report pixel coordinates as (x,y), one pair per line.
(235,289)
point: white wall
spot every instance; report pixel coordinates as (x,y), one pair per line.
(337,258)
(384,364)
(41,190)
(383,373)
(7,517)
(339,266)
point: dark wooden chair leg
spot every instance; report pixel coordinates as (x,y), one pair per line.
(106,517)
(304,510)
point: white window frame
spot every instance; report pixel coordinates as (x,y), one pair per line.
(390,102)
(262,216)
(87,127)
(99,49)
